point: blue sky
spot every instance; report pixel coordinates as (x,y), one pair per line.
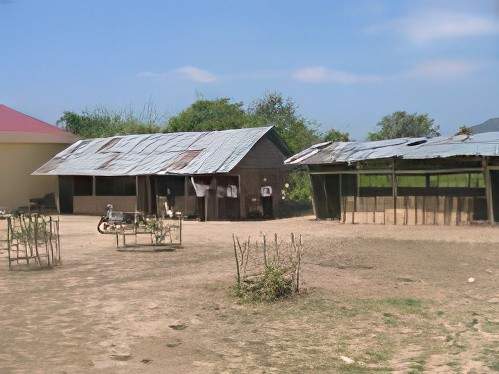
(346,63)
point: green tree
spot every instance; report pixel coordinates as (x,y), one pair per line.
(294,129)
(405,125)
(464,130)
(336,136)
(208,115)
(101,122)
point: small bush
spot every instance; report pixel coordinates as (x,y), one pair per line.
(267,272)
(271,286)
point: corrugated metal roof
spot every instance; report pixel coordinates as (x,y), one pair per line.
(183,153)
(485,144)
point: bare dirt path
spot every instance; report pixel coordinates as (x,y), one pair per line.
(392,299)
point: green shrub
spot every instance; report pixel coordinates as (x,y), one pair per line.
(270,286)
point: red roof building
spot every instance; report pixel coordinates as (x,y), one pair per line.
(17,127)
(26,143)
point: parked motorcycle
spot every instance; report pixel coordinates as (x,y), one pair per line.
(112,220)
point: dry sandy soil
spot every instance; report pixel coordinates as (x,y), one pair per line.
(392,299)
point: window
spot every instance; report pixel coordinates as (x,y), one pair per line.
(375,185)
(375,180)
(477,180)
(473,180)
(115,186)
(82,186)
(414,181)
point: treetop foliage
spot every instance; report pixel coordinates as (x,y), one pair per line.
(209,115)
(336,136)
(404,125)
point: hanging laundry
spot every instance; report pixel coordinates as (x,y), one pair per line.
(200,188)
(232,191)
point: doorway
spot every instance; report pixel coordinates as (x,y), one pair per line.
(332,192)
(267,208)
(66,194)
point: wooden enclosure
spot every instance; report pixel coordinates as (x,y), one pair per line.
(453,191)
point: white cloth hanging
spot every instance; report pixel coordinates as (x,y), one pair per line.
(200,188)
(232,191)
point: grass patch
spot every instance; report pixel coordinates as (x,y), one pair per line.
(406,305)
(359,369)
(491,327)
(390,319)
(417,366)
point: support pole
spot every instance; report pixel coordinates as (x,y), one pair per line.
(340,193)
(488,190)
(136,192)
(394,191)
(314,203)
(184,213)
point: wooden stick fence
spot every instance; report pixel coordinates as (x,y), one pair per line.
(33,239)
(253,257)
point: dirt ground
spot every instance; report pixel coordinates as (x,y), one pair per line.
(383,298)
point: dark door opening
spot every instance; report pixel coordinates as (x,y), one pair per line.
(66,194)
(268,210)
(494,185)
(332,192)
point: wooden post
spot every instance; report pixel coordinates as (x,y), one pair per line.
(237,260)
(148,194)
(340,193)
(8,240)
(357,192)
(424,209)
(415,210)
(394,192)
(488,190)
(136,192)
(186,190)
(217,207)
(206,205)
(242,213)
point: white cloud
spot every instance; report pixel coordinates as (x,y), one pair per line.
(150,74)
(441,69)
(321,74)
(195,74)
(434,25)
(187,72)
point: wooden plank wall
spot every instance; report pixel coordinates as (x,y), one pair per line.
(410,210)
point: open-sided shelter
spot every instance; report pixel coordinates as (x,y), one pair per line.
(25,144)
(441,180)
(228,174)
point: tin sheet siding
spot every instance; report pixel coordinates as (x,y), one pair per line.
(262,166)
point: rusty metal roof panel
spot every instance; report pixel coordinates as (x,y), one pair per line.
(484,144)
(184,153)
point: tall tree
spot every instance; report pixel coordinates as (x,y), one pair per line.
(334,135)
(402,124)
(207,115)
(274,109)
